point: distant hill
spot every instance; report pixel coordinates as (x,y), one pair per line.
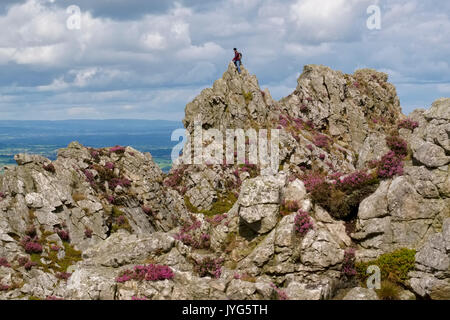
(46,137)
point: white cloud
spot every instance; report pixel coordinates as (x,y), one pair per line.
(203,52)
(153,62)
(57,84)
(307,50)
(154,41)
(326,20)
(83,77)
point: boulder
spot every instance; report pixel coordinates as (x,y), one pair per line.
(359,293)
(259,202)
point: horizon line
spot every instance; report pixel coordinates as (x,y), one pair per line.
(110,119)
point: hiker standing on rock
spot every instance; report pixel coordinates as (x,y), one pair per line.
(237,59)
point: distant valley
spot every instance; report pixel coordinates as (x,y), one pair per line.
(46,137)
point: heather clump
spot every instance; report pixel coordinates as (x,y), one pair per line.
(248,167)
(31,244)
(408,124)
(321,141)
(53,298)
(63,234)
(355,180)
(251,169)
(313,181)
(109,166)
(340,194)
(102,178)
(390,165)
(151,272)
(63,275)
(279,293)
(209,267)
(283,121)
(244,277)
(88,233)
(4,287)
(317,186)
(50,168)
(95,154)
(89,177)
(348,265)
(134,298)
(148,211)
(111,199)
(217,219)
(175,177)
(397,145)
(28,264)
(299,124)
(117,150)
(302,223)
(191,234)
(119,220)
(4,263)
(116,182)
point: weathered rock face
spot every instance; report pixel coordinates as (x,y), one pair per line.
(431,141)
(432,278)
(259,202)
(397,216)
(77,193)
(406,211)
(75,203)
(357,110)
(234,101)
(228,231)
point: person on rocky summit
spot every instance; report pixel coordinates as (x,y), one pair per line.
(237,59)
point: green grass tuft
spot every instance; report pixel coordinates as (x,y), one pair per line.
(394,266)
(221,206)
(388,291)
(248,96)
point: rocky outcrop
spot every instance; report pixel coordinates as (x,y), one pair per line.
(357,110)
(431,142)
(406,211)
(259,202)
(432,278)
(97,223)
(234,101)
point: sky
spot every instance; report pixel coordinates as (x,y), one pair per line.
(136,59)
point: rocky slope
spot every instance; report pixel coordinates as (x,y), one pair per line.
(359,184)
